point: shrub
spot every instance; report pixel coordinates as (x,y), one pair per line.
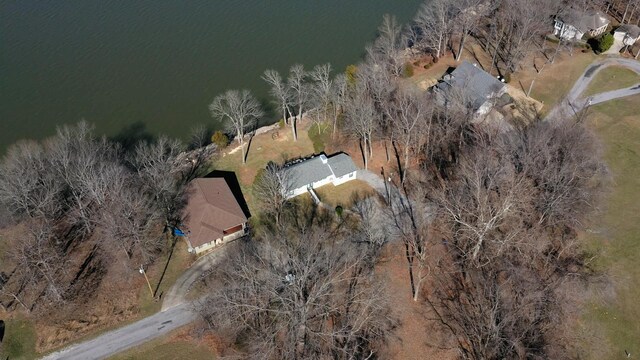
(281,123)
(339,210)
(219,138)
(407,71)
(435,59)
(601,44)
(427,66)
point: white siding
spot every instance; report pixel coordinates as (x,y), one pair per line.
(343,179)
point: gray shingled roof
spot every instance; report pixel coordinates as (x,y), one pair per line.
(476,85)
(312,170)
(584,21)
(630,29)
(341,164)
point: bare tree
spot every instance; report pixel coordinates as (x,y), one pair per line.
(339,95)
(362,121)
(387,48)
(432,26)
(272,188)
(299,88)
(411,117)
(280,92)
(303,294)
(468,14)
(239,110)
(322,90)
(155,165)
(27,185)
(128,225)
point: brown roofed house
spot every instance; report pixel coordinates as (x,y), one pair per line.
(213,215)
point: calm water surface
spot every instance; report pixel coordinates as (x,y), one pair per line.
(160,63)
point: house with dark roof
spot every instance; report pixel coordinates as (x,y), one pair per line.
(213,215)
(575,24)
(473,87)
(316,171)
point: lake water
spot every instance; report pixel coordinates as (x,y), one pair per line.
(160,63)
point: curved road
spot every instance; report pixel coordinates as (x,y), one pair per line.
(574,103)
(176,312)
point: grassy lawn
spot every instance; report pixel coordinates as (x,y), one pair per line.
(343,194)
(263,149)
(179,262)
(556,79)
(19,340)
(617,231)
(167,348)
(612,78)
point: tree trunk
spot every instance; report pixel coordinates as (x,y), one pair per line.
(364,152)
(462,39)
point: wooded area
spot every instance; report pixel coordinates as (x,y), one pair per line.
(488,216)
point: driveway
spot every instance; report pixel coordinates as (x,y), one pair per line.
(574,102)
(178,292)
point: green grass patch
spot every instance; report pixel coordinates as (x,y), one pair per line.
(164,349)
(19,340)
(616,234)
(320,135)
(343,195)
(274,146)
(180,260)
(555,81)
(612,78)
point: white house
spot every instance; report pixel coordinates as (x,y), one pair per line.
(318,171)
(576,24)
(628,34)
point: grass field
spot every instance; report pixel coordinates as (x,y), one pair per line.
(343,194)
(180,260)
(555,80)
(612,78)
(617,238)
(167,348)
(19,340)
(263,149)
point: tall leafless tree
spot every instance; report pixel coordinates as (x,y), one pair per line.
(300,91)
(239,110)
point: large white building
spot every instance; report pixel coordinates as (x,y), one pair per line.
(318,171)
(576,24)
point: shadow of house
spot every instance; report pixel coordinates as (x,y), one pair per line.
(232,180)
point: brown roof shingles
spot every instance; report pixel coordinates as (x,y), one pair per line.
(212,208)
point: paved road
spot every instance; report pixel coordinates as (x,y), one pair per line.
(574,101)
(176,312)
(128,336)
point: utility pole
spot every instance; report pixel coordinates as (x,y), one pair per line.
(146,278)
